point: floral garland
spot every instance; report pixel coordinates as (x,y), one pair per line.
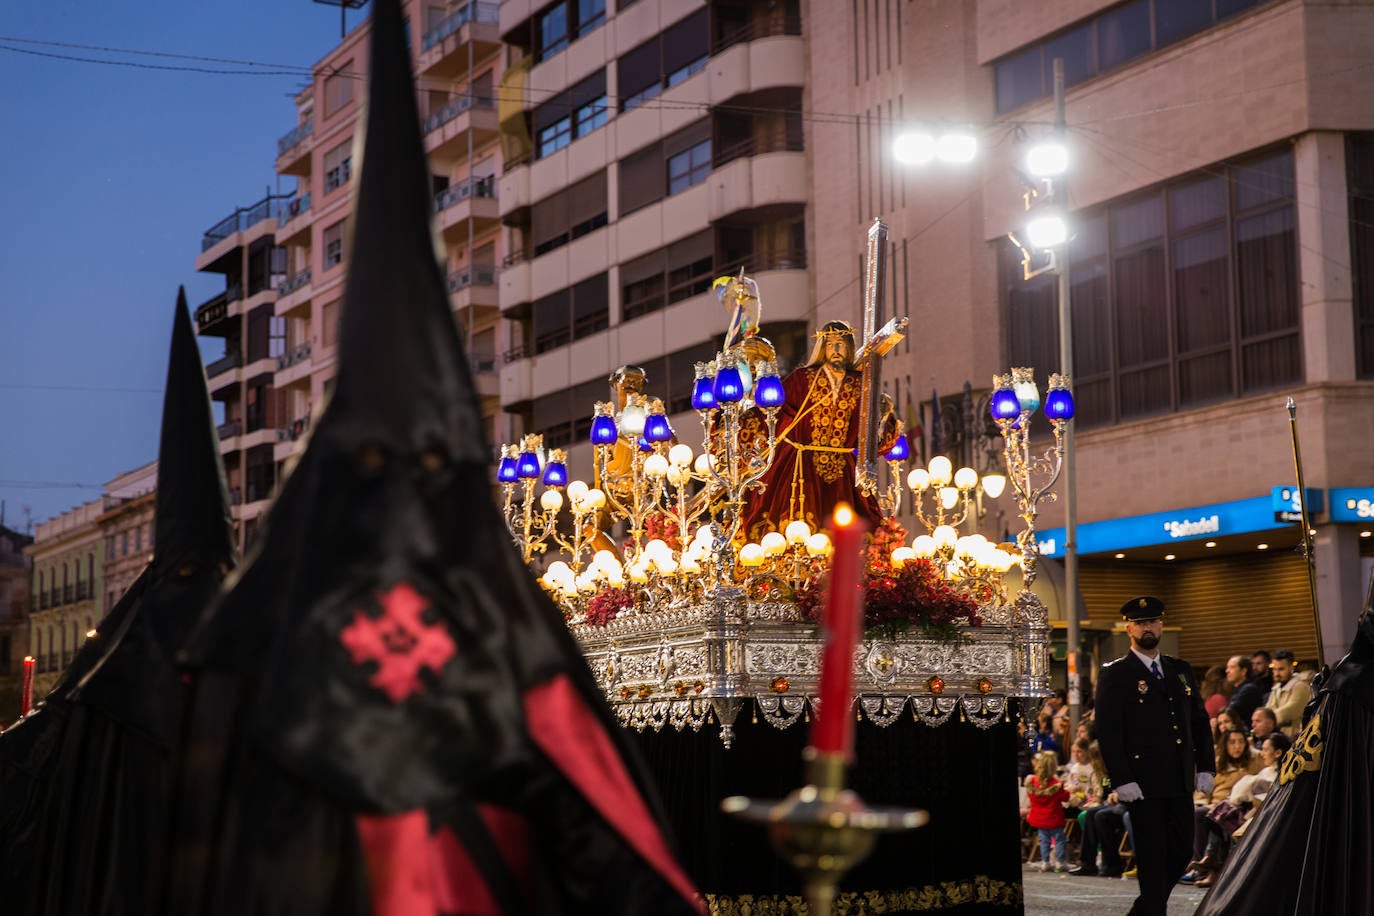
(607,605)
(898,600)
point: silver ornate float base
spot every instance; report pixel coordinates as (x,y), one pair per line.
(689,663)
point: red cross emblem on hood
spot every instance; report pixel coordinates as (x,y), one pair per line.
(399,641)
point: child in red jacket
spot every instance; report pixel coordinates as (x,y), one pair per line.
(1047,795)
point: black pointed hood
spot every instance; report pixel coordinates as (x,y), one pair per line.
(193,521)
(384,645)
(402,381)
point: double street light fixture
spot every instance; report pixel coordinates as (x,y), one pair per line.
(921,146)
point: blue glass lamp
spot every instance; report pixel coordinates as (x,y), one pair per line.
(900,451)
(1005,406)
(1059,404)
(555,474)
(603,427)
(703,395)
(769,392)
(657,428)
(505,471)
(729,387)
(527,466)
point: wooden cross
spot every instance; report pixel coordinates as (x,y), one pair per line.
(876,344)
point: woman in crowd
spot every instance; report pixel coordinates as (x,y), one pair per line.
(1235,760)
(1216,693)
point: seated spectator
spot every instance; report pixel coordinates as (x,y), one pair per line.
(1043,739)
(1103,820)
(1080,779)
(1263,723)
(1260,672)
(1289,695)
(1215,691)
(1249,791)
(1234,761)
(1086,731)
(1227,720)
(1046,795)
(1245,693)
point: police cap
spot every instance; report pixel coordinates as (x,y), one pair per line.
(1145,607)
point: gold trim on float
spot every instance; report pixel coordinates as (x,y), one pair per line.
(946,894)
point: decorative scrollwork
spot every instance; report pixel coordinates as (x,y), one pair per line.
(780,712)
(983,711)
(933,710)
(882,710)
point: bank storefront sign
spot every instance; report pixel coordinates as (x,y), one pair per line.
(1216,520)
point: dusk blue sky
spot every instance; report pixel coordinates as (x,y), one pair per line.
(112,174)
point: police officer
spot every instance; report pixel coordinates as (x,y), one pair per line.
(1157,744)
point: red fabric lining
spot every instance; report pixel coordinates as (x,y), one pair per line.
(566,730)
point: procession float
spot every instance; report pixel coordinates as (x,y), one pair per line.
(696,601)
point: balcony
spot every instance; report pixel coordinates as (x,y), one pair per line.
(241,220)
(293,356)
(293,150)
(472,23)
(484,375)
(470,201)
(293,282)
(224,364)
(293,367)
(447,130)
(229,430)
(756,182)
(290,224)
(212,316)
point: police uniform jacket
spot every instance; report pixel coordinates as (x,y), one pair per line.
(1152,732)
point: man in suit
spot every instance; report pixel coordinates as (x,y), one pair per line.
(1157,744)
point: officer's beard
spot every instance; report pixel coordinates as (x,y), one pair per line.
(1148,641)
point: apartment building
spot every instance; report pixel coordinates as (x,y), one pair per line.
(14,618)
(283,258)
(651,147)
(1221,162)
(127,524)
(67,561)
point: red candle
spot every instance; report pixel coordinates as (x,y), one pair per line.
(833,732)
(26,694)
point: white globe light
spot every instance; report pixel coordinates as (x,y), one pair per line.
(818,545)
(965,478)
(751,555)
(604,559)
(923,546)
(595,498)
(1049,230)
(994,484)
(901,556)
(773,543)
(913,147)
(797,532)
(705,461)
(945,536)
(941,470)
(632,420)
(1047,159)
(576,490)
(957,147)
(657,548)
(949,497)
(918,479)
(655,465)
(551,500)
(680,454)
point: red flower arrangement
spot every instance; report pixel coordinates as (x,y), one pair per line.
(897,600)
(607,604)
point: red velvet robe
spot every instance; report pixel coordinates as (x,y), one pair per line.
(813,466)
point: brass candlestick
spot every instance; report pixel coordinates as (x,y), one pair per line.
(823,829)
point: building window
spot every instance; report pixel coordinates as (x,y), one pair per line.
(571,314)
(1359,168)
(1181,296)
(566,21)
(570,214)
(689,167)
(663,61)
(570,115)
(338,88)
(1104,42)
(333,244)
(338,166)
(655,281)
(329,324)
(647,175)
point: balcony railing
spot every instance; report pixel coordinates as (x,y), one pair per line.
(293,356)
(295,136)
(471,276)
(468,187)
(294,208)
(777,22)
(230,429)
(516,353)
(294,282)
(243,218)
(789,141)
(469,12)
(456,106)
(482,363)
(212,310)
(233,293)
(224,364)
(786,259)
